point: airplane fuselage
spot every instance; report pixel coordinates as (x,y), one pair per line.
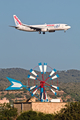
(45,27)
(39,28)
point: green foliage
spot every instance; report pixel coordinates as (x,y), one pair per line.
(72,89)
(10,96)
(18,95)
(49,117)
(32,115)
(2,93)
(7,112)
(71,112)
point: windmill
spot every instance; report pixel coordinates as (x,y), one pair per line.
(43,84)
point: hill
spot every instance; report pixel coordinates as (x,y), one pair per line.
(69,81)
(19,74)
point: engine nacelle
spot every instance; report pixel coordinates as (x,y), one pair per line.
(51,30)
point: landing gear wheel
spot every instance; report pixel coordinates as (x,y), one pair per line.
(43,32)
(39,32)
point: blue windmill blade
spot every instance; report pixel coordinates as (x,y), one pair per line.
(53,91)
(54,77)
(31,77)
(46,97)
(56,87)
(41,97)
(53,71)
(33,72)
(34,95)
(40,67)
(45,68)
(32,87)
(15,84)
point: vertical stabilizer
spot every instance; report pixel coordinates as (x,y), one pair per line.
(17,21)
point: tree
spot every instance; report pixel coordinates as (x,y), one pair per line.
(71,112)
(32,115)
(7,112)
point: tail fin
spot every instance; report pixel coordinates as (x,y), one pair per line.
(17,21)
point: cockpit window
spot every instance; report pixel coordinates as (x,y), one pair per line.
(66,25)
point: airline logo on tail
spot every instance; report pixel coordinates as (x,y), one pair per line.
(17,21)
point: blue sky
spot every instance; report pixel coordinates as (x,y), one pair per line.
(20,49)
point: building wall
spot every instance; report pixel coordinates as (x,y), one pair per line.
(27,107)
(4,100)
(18,106)
(45,107)
(22,107)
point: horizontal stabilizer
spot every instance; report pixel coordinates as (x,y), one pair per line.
(13,26)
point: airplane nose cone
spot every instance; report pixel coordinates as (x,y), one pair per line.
(69,27)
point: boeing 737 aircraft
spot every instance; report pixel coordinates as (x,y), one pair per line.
(39,28)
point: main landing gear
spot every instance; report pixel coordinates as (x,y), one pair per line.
(40,32)
(43,32)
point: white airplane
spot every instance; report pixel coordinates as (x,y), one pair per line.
(39,28)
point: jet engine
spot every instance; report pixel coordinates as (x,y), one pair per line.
(51,30)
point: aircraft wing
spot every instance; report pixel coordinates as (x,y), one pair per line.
(35,28)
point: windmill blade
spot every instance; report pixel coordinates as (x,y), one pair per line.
(54,77)
(34,95)
(33,72)
(53,71)
(40,67)
(44,92)
(31,77)
(32,87)
(46,97)
(15,84)
(55,87)
(53,91)
(34,92)
(41,97)
(45,68)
